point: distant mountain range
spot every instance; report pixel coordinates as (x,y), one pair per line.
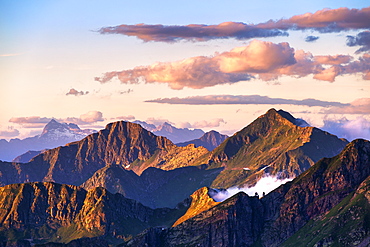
(53,135)
(176,135)
(209,140)
(125,185)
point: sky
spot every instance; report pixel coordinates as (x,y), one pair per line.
(195,64)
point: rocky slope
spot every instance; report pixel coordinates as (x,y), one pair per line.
(334,192)
(53,135)
(272,144)
(44,212)
(154,188)
(209,140)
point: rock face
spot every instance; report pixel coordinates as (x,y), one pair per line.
(272,145)
(65,212)
(53,135)
(209,140)
(154,188)
(334,188)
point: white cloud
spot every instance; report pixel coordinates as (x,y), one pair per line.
(264,185)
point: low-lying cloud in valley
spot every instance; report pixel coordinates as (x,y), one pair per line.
(264,185)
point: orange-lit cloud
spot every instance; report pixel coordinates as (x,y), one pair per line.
(324,21)
(265,60)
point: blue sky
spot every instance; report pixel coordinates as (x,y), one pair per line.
(51,47)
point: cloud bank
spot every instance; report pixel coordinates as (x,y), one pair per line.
(348,129)
(264,60)
(323,21)
(39,122)
(243,100)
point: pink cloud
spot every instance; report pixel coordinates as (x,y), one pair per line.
(333,60)
(74,92)
(86,119)
(203,124)
(358,106)
(10,132)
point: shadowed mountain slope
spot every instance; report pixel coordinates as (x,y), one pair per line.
(154,187)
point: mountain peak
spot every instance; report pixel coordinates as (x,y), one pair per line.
(54,125)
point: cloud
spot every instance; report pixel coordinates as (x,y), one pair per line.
(194,32)
(10,54)
(87,118)
(243,100)
(203,124)
(259,59)
(126,91)
(348,129)
(324,21)
(31,122)
(264,185)
(74,92)
(200,72)
(10,132)
(333,60)
(157,121)
(126,118)
(362,39)
(311,38)
(358,106)
(40,122)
